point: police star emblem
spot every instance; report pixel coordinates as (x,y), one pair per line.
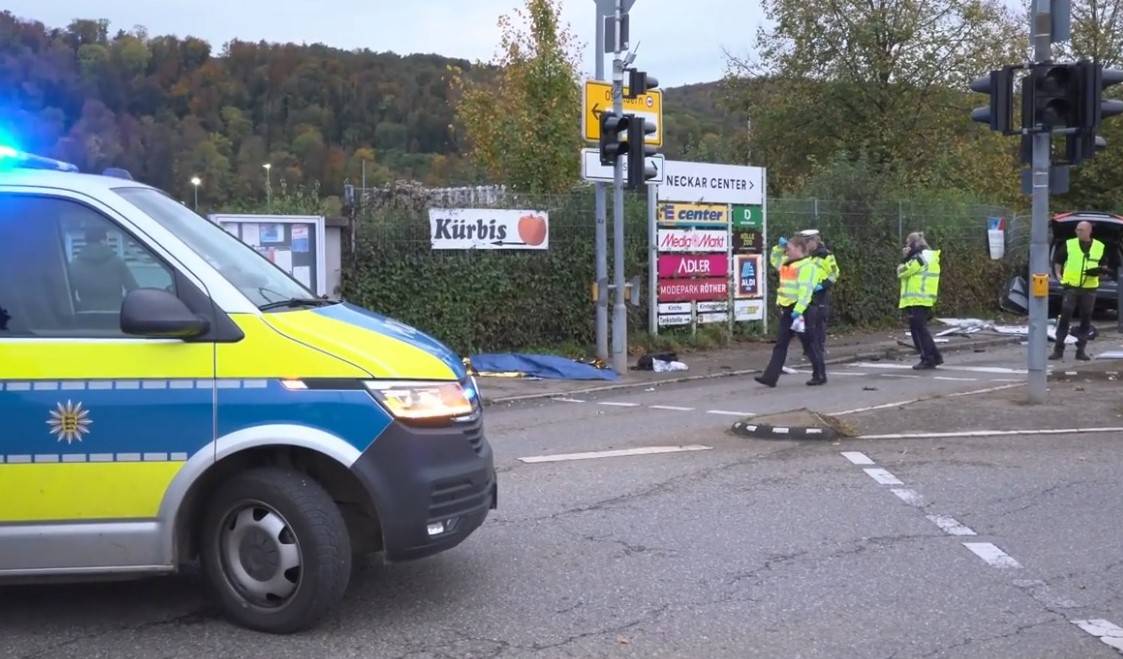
(69,422)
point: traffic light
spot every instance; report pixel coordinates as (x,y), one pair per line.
(1097,80)
(613,137)
(1058,96)
(638,169)
(639,83)
(1000,112)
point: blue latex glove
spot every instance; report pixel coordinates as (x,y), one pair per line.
(818,288)
(783,241)
(795,315)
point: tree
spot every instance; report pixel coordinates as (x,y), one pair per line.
(878,78)
(523,125)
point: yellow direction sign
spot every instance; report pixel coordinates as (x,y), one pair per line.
(598,99)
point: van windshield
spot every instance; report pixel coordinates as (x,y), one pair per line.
(255,276)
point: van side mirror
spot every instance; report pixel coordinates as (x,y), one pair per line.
(157,314)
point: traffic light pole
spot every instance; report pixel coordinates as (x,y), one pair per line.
(619,310)
(1041,35)
(601,228)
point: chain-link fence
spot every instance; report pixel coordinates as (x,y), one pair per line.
(508,299)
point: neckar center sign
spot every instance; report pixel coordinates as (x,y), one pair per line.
(695,182)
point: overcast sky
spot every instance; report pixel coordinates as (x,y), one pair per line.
(681,41)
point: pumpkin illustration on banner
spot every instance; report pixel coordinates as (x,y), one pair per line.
(532,229)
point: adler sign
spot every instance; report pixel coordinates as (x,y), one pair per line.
(693,265)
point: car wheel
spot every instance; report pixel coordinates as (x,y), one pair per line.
(275,550)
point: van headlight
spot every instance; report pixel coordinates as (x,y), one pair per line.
(424,401)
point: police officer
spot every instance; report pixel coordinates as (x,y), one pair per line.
(919,274)
(828,277)
(799,274)
(1080,258)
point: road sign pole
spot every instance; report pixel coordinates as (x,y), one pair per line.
(1041,37)
(619,311)
(652,262)
(601,222)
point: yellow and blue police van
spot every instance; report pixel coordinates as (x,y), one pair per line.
(168,395)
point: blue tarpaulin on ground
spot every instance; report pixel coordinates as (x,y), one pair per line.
(540,366)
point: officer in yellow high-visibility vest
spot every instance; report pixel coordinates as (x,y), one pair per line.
(1081,261)
(919,274)
(799,275)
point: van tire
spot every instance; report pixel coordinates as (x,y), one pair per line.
(256,524)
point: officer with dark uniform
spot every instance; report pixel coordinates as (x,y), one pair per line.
(827,278)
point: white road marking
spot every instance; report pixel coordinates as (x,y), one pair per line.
(1009,379)
(947,379)
(992,433)
(993,556)
(949,525)
(987,390)
(672,408)
(882,476)
(1001,370)
(593,455)
(611,404)
(1108,632)
(729,413)
(858,458)
(899,375)
(856,410)
(911,497)
(568,400)
(780,431)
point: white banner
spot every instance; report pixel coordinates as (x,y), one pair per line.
(674,320)
(676,307)
(697,182)
(483,228)
(682,240)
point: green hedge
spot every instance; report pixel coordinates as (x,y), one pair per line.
(508,300)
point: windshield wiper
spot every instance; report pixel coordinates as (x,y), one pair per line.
(296,302)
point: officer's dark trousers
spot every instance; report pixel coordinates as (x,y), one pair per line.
(1075,298)
(783,340)
(921,338)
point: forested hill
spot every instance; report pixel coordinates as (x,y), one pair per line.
(169,108)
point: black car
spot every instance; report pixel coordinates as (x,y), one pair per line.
(1107,228)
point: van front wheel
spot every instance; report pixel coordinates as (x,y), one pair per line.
(275,550)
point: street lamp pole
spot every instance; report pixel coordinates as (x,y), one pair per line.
(196,181)
(268,185)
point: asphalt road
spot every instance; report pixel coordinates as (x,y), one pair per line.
(738,548)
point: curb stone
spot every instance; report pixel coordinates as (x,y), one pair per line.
(766,431)
(887,353)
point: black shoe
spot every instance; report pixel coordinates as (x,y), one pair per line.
(939,361)
(1056,356)
(766,383)
(816,381)
(923,366)
(1083,356)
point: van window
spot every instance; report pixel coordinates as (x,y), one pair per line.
(65,269)
(251,273)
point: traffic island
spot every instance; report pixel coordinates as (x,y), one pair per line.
(801,424)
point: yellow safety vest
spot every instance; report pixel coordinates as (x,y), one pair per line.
(797,283)
(920,279)
(1077,262)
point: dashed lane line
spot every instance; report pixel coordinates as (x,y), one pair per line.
(882,476)
(672,408)
(615,404)
(594,455)
(992,555)
(1108,632)
(729,413)
(857,457)
(911,497)
(950,525)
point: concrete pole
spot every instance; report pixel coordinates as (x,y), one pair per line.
(1041,35)
(601,224)
(619,310)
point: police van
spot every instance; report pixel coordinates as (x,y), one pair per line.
(167,394)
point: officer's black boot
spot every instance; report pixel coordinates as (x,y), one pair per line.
(1058,353)
(1082,356)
